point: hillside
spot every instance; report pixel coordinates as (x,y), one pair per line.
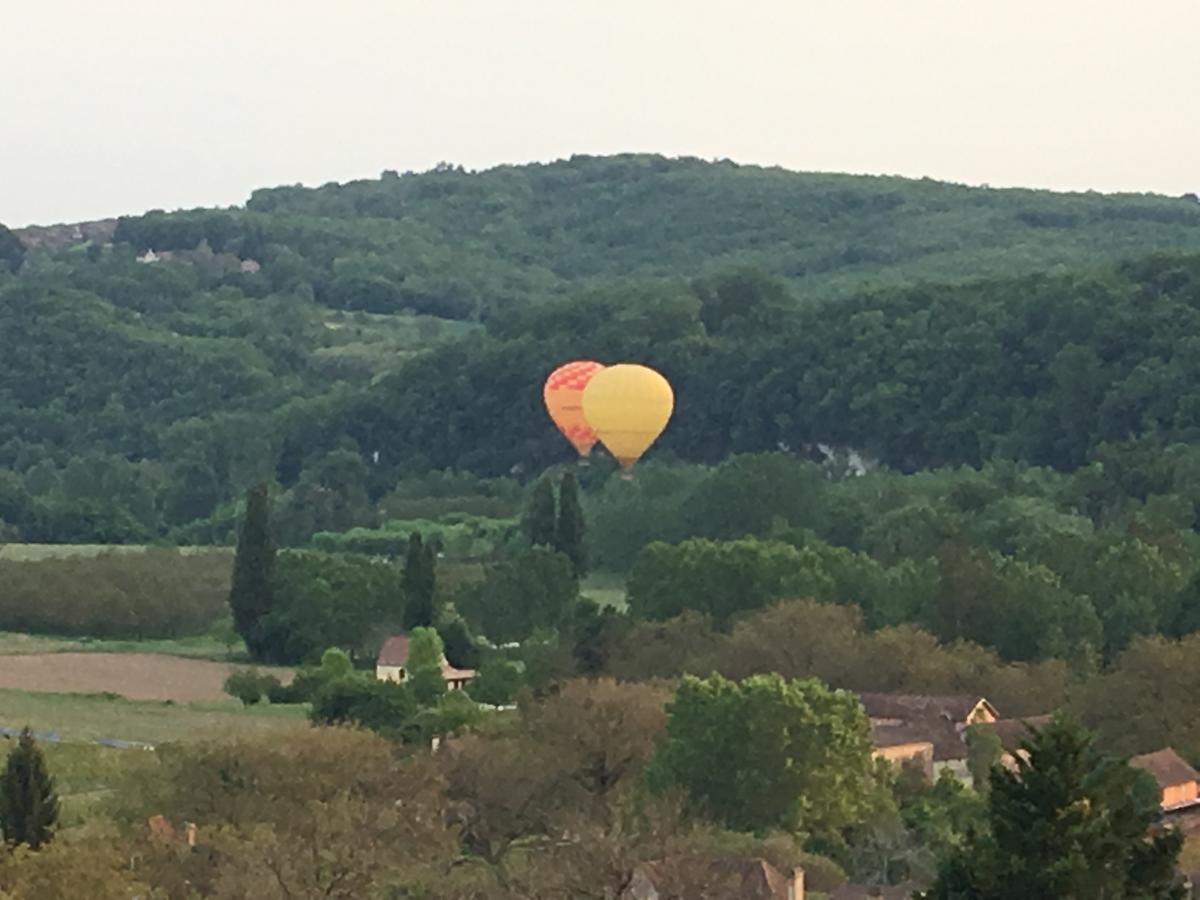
(338,338)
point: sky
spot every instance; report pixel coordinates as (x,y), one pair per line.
(122,106)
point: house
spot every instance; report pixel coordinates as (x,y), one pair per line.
(1012,734)
(961,709)
(1178,782)
(903,745)
(925,730)
(393,656)
(701,878)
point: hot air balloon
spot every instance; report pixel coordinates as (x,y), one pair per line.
(628,405)
(563,394)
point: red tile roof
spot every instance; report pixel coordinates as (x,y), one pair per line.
(1167,767)
(394,651)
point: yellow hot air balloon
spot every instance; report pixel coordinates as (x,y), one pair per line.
(563,393)
(628,405)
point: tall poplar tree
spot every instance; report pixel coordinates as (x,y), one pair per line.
(540,515)
(251,594)
(569,529)
(419,582)
(28,801)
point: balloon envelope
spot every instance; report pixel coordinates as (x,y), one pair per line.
(563,393)
(628,405)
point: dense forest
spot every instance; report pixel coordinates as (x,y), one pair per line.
(341,340)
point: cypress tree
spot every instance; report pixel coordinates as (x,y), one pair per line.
(28,801)
(540,515)
(419,583)
(568,537)
(252,592)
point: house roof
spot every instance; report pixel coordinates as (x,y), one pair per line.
(699,878)
(1167,767)
(1013,732)
(957,707)
(394,651)
(941,734)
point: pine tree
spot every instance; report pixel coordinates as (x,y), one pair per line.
(568,537)
(419,583)
(1066,822)
(252,592)
(28,801)
(540,514)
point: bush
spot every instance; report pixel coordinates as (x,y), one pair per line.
(497,682)
(251,685)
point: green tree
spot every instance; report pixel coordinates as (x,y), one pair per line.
(984,750)
(767,753)
(540,519)
(419,583)
(536,589)
(251,595)
(423,667)
(569,529)
(496,683)
(28,800)
(1066,823)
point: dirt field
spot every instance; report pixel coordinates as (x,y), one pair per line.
(136,676)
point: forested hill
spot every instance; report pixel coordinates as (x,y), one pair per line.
(528,229)
(338,339)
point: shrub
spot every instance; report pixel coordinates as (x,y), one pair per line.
(251,685)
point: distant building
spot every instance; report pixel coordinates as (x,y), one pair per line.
(249,266)
(393,658)
(1178,782)
(687,877)
(924,730)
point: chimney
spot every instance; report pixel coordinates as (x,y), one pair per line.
(190,830)
(796,887)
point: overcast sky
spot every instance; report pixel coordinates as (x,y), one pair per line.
(116,106)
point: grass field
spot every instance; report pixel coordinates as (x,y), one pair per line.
(135,676)
(32,552)
(605,590)
(201,646)
(84,717)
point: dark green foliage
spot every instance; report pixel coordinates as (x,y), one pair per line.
(419,583)
(250,686)
(1067,823)
(536,589)
(12,251)
(569,528)
(252,592)
(496,683)
(28,801)
(540,520)
(426,684)
(462,651)
(326,599)
(382,706)
(116,595)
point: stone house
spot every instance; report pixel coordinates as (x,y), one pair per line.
(393,657)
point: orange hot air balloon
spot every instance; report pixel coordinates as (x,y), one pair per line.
(563,394)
